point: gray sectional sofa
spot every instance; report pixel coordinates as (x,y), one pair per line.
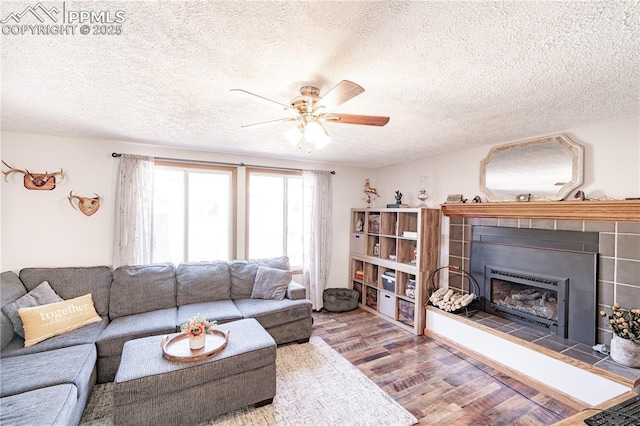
(50,382)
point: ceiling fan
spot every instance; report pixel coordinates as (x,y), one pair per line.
(310,110)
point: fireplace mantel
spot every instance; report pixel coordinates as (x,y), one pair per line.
(609,210)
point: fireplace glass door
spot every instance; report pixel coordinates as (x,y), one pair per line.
(524,298)
(536,301)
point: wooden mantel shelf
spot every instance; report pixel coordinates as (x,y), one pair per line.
(610,210)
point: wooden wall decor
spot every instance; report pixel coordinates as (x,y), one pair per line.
(87,205)
(38,181)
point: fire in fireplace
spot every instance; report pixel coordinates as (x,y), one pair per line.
(543,279)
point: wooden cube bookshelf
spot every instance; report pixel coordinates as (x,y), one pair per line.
(408,242)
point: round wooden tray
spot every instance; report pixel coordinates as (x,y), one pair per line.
(177,348)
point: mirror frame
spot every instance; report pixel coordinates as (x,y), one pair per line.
(576,150)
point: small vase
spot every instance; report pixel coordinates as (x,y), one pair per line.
(196,343)
(625,352)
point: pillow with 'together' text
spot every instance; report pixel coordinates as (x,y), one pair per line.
(45,321)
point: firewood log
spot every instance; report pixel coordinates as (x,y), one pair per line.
(455,296)
(468,299)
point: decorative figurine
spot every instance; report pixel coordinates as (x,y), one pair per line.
(359,225)
(398,197)
(370,192)
(368,189)
(398,202)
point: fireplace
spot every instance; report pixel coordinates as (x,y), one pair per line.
(537,301)
(540,278)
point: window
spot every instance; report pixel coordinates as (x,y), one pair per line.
(274,216)
(192,213)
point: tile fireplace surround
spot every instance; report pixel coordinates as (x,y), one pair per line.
(617,222)
(618,226)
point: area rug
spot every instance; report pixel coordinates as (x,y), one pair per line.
(315,386)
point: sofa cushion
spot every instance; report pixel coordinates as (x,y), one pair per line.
(296,291)
(138,289)
(220,310)
(135,326)
(69,283)
(73,365)
(270,313)
(203,282)
(41,295)
(12,290)
(243,274)
(270,283)
(56,406)
(53,319)
(85,335)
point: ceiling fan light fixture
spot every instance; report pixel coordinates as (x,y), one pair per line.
(315,133)
(293,135)
(310,110)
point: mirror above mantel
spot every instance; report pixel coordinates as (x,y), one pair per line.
(547,168)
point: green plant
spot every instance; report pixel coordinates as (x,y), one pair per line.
(625,323)
(197,326)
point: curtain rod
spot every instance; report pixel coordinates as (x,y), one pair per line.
(222,163)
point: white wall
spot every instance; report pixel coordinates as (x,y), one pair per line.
(611,169)
(40,229)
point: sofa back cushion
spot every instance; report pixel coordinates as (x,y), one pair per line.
(70,283)
(138,289)
(11,289)
(203,282)
(243,274)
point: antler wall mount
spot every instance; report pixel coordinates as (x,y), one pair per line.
(37,181)
(87,205)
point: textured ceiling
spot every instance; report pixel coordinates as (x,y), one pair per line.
(451,75)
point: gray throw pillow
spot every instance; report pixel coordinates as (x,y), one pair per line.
(270,283)
(41,295)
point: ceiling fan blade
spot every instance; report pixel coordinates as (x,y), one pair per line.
(340,94)
(261,99)
(267,123)
(367,120)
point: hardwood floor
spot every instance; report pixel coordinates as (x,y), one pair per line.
(436,383)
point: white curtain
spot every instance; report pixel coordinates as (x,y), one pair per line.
(134,211)
(317,233)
